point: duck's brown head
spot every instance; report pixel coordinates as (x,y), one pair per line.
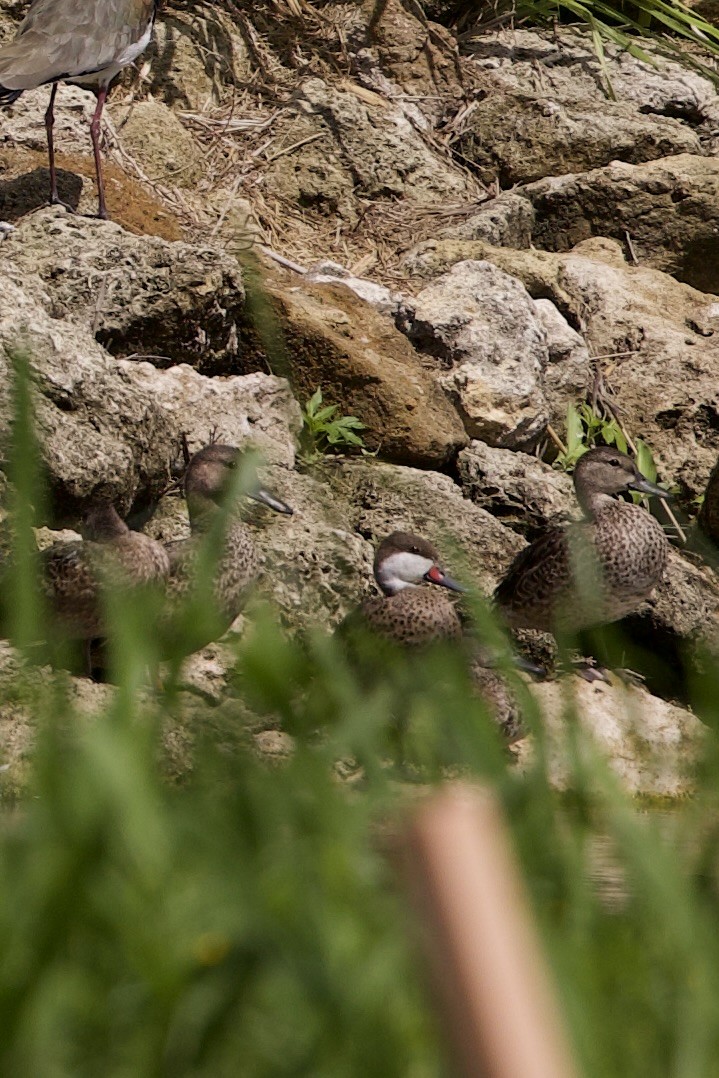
(404,560)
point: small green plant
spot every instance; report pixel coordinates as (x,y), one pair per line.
(325,431)
(666,26)
(585,429)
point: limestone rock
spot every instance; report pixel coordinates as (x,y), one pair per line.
(384,498)
(669,209)
(650,744)
(380,147)
(483,326)
(336,342)
(564,64)
(152,135)
(659,337)
(504,221)
(196,54)
(567,372)
(420,60)
(679,621)
(709,513)
(255,410)
(520,136)
(171,301)
(366,149)
(94,424)
(25,187)
(314,564)
(24,121)
(377,295)
(520,490)
(117,423)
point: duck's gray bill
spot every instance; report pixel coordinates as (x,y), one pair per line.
(645,487)
(270,500)
(436,576)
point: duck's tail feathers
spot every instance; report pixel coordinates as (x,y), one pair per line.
(8,96)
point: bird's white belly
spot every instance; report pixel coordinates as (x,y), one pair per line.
(107,74)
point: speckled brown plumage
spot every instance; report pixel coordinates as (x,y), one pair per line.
(237,567)
(75,574)
(236,570)
(593,572)
(422,614)
(414,617)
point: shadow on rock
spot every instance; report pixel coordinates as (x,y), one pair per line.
(22,194)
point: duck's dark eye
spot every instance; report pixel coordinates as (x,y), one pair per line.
(231,463)
(414,550)
(615,463)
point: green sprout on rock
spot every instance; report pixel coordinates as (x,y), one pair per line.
(325,431)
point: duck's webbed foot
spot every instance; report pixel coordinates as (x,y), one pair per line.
(590,670)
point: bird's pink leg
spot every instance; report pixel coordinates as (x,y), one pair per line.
(95,136)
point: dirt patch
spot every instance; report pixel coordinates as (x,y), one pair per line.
(25,183)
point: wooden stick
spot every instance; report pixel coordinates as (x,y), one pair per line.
(295,146)
(281,260)
(556,439)
(666,509)
(502,1014)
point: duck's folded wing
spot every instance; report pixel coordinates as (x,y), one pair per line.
(537,577)
(70,588)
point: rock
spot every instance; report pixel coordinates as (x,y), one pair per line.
(24,121)
(567,373)
(274,744)
(521,491)
(169,301)
(335,342)
(519,136)
(25,187)
(657,336)
(483,326)
(152,135)
(252,409)
(505,221)
(709,513)
(669,209)
(565,65)
(117,423)
(95,426)
(368,151)
(376,295)
(24,174)
(420,58)
(384,498)
(680,623)
(385,154)
(196,54)
(651,745)
(26,692)
(314,564)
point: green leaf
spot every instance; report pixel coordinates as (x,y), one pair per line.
(313,403)
(645,461)
(324,414)
(575,429)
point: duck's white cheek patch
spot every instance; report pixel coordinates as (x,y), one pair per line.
(403,569)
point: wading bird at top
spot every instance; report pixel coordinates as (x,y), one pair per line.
(85,42)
